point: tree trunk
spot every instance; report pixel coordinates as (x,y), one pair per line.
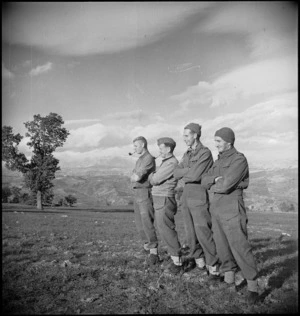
(39,204)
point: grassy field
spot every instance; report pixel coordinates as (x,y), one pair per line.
(70,261)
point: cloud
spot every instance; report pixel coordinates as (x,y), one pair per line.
(195,95)
(86,137)
(96,136)
(182,67)
(41,69)
(262,128)
(6,74)
(109,134)
(82,121)
(263,77)
(116,157)
(132,118)
(275,75)
(135,114)
(93,27)
(154,131)
(269,27)
(27,63)
(99,143)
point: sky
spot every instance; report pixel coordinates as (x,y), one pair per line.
(118,70)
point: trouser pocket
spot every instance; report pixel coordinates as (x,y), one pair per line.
(141,195)
(159,202)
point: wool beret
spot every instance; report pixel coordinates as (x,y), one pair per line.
(194,127)
(226,134)
(166,140)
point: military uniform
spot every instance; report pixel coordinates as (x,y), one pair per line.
(143,204)
(194,201)
(229,218)
(163,193)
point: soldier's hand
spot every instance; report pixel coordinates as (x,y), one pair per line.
(134,178)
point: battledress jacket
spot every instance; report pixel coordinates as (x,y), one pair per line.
(163,180)
(193,165)
(143,167)
(227,199)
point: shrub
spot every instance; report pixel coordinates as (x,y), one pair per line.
(70,200)
(6,193)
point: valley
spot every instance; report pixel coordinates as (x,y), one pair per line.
(269,190)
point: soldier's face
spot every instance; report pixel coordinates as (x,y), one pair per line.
(221,144)
(138,147)
(163,150)
(189,137)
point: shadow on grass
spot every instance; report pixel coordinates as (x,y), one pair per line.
(284,268)
(290,247)
(258,243)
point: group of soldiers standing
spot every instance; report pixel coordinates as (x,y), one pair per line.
(212,206)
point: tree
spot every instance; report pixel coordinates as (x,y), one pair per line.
(6,193)
(46,134)
(25,198)
(10,155)
(16,194)
(70,199)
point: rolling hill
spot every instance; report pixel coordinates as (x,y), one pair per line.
(269,190)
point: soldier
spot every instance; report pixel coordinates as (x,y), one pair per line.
(226,179)
(143,205)
(164,202)
(195,162)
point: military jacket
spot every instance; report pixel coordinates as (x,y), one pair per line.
(232,166)
(163,180)
(194,164)
(227,193)
(143,167)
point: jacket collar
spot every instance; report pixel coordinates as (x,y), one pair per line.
(163,160)
(144,154)
(227,153)
(198,147)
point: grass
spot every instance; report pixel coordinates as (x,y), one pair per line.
(71,261)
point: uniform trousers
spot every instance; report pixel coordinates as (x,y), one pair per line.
(229,225)
(198,222)
(144,216)
(165,210)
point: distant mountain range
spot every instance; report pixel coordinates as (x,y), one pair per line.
(95,186)
(273,190)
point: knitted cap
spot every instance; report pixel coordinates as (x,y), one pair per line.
(226,134)
(194,127)
(166,140)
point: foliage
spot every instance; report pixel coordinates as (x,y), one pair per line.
(47,198)
(287,207)
(46,135)
(70,199)
(10,154)
(26,199)
(6,193)
(16,194)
